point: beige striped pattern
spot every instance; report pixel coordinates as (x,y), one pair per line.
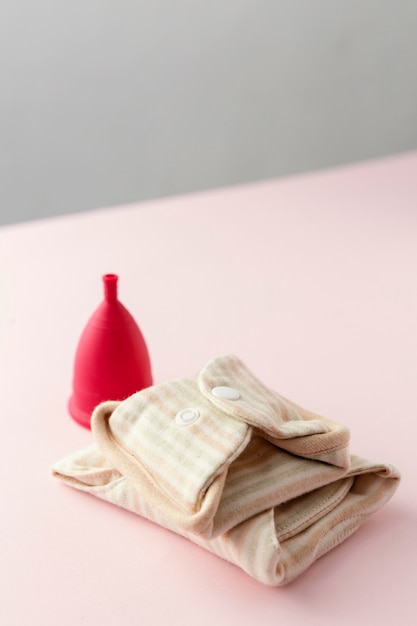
(259,481)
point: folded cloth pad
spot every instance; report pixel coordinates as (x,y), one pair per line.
(233,466)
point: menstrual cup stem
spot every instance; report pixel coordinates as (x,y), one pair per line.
(110,287)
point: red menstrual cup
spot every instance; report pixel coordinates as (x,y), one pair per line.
(112,360)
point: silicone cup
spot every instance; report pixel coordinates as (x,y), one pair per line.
(112,360)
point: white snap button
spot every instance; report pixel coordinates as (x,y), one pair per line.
(187,416)
(227,393)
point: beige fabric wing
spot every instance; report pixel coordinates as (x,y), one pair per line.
(248,475)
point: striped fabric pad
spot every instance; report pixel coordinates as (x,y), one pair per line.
(255,478)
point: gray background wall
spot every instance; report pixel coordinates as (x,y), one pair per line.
(112,101)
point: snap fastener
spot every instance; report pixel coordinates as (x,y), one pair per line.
(227,393)
(187,416)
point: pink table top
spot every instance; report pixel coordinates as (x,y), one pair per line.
(311,281)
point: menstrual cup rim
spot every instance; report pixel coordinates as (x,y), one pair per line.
(81,417)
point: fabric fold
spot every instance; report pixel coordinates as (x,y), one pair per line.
(235,467)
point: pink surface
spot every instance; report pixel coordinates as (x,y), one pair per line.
(312,282)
